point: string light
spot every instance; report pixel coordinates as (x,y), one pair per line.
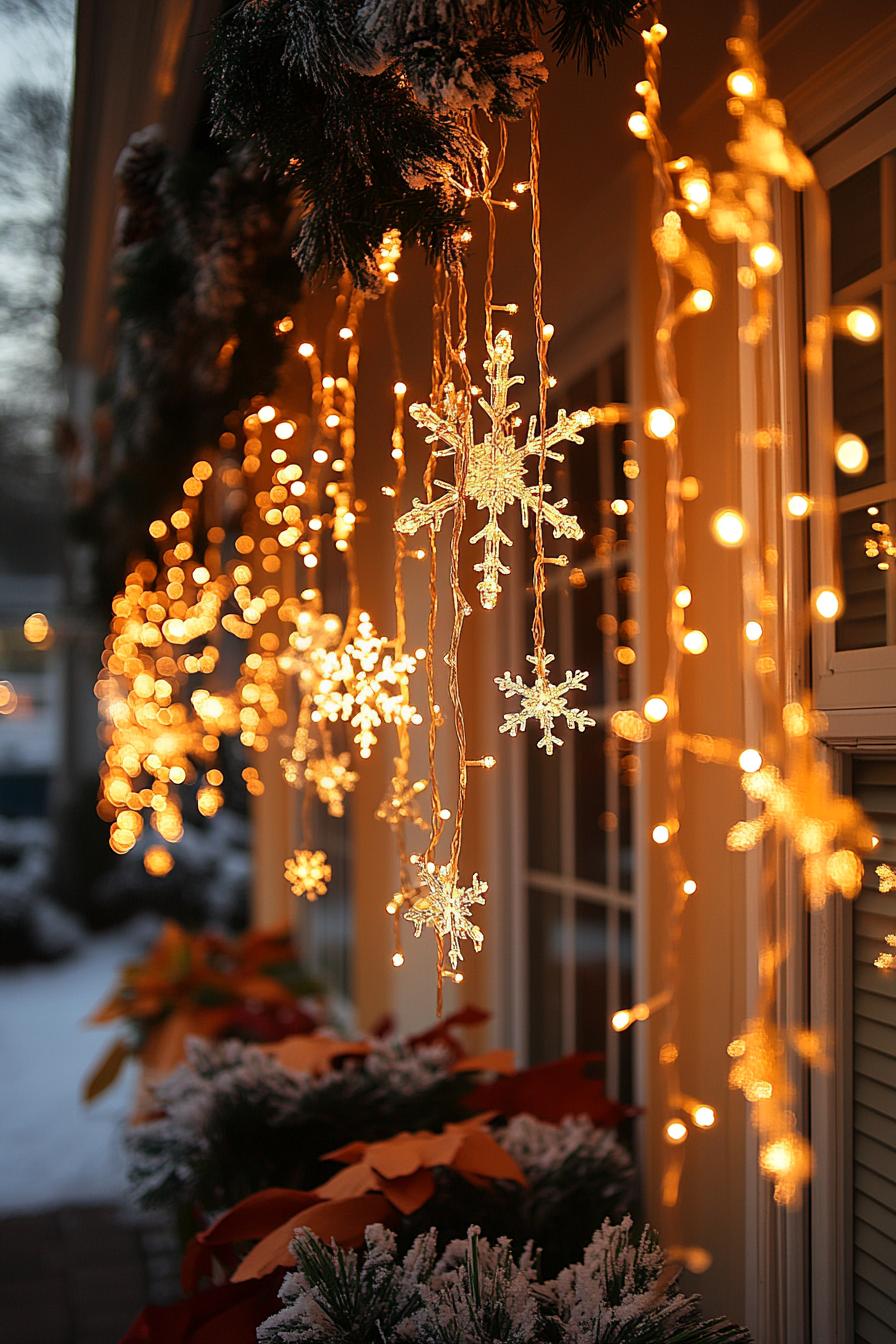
(729,527)
(851,454)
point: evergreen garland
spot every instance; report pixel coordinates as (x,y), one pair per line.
(361,106)
(482,1293)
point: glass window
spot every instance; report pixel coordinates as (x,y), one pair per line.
(863,271)
(579,853)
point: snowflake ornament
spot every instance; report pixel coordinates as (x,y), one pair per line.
(447,908)
(332,777)
(544,703)
(399,804)
(496,471)
(308,873)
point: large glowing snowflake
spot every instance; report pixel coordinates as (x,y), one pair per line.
(544,703)
(496,471)
(447,908)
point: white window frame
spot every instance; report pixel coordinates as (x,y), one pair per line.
(857,690)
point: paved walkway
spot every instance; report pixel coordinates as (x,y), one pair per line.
(79,1275)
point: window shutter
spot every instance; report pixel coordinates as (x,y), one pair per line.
(874,1069)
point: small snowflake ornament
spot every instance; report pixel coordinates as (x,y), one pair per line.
(497,466)
(308,873)
(544,703)
(447,908)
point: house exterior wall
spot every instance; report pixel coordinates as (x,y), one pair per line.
(595,200)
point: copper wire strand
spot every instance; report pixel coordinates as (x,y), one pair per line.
(538,570)
(675,556)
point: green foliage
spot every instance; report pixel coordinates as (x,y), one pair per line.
(361,106)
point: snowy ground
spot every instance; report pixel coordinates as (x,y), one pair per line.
(53,1149)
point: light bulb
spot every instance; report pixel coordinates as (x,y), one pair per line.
(851,454)
(399,389)
(345,333)
(676,1131)
(704,1117)
(702,300)
(729,527)
(621,1019)
(682,596)
(695,641)
(306,349)
(689,886)
(798,505)
(639,126)
(661,834)
(656,707)
(659,423)
(750,760)
(742,83)
(752,632)
(398,959)
(266,414)
(827,603)
(766,258)
(863,324)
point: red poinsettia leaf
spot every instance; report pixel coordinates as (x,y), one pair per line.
(551,1091)
(226,1314)
(469,1016)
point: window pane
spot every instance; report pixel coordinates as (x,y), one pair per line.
(591,976)
(543,805)
(855,227)
(626,996)
(625,762)
(545,976)
(864,622)
(591,801)
(587,608)
(859,404)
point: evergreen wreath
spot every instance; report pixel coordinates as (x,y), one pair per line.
(362,107)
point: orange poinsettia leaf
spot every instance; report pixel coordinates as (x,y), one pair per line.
(261,987)
(410,1193)
(492,1061)
(401,1167)
(164,1048)
(103,1074)
(257,1215)
(339,1220)
(480,1156)
(314,1053)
